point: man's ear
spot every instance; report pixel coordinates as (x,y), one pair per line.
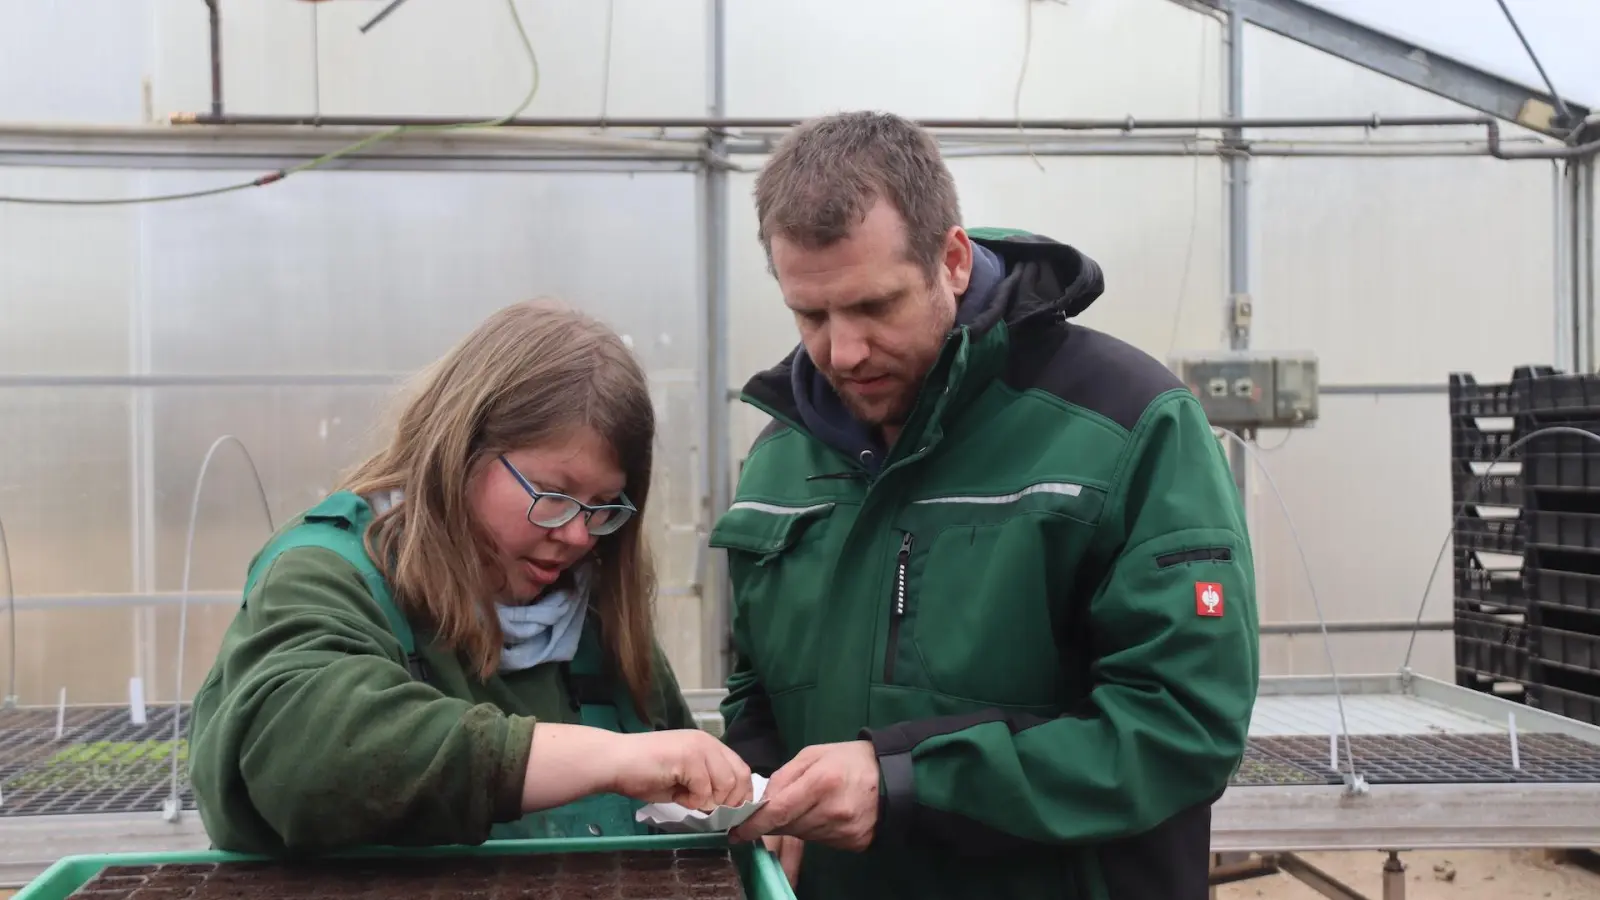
(956,261)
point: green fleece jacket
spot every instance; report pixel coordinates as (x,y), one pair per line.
(310,735)
(1038,605)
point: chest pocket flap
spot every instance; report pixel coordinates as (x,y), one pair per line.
(766,530)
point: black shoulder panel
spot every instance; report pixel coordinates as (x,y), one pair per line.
(1088,368)
(774,428)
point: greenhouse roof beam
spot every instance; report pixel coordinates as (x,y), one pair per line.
(1407,62)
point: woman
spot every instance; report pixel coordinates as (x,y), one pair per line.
(458,644)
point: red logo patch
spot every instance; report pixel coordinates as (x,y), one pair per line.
(1207,598)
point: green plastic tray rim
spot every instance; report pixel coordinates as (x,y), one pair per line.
(762,875)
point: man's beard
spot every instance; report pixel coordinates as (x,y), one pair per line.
(892,415)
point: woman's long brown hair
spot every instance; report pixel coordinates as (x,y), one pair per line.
(526,376)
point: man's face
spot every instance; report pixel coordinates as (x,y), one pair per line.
(868,316)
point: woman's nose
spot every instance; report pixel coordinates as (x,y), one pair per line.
(575,532)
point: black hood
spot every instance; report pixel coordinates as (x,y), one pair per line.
(1014,279)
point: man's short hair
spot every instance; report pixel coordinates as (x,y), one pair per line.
(826,174)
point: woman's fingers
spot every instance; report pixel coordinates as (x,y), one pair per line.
(738,776)
(695,787)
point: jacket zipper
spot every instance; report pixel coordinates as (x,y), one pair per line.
(897,609)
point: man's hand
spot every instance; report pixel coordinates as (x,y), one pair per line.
(788,850)
(827,794)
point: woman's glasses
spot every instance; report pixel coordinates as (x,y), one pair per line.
(551,510)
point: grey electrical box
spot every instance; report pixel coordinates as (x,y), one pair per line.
(1252,388)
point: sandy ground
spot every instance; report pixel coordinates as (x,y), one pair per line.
(1464,875)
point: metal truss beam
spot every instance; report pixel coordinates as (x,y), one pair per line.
(1406,62)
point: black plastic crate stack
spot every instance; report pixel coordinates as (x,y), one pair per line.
(1561,515)
(1492,611)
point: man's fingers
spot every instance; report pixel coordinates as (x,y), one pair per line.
(793,770)
(786,804)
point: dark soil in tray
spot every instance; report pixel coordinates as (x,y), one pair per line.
(630,875)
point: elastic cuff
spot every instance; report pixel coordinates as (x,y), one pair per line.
(513,768)
(897,790)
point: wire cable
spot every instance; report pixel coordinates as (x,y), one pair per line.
(10,699)
(1353,781)
(1461,508)
(1194,201)
(173,808)
(1022,76)
(357,147)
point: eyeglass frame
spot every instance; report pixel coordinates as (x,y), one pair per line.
(626,509)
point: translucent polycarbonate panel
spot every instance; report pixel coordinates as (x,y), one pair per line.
(69,276)
(1358,279)
(65,489)
(92,54)
(1152,224)
(956,58)
(617,58)
(300,439)
(1368,491)
(84,651)
(344,272)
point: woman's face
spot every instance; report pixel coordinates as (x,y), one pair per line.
(580,465)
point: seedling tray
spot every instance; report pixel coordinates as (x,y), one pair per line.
(701,867)
(99,763)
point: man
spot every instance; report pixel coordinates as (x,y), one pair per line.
(994,602)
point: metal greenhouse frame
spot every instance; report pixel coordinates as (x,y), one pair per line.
(116,799)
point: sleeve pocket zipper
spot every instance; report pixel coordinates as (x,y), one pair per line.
(897,608)
(1202,554)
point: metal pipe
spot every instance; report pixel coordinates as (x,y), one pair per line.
(1570,151)
(308,140)
(1400,150)
(1584,221)
(1388,626)
(1558,277)
(1394,390)
(1580,358)
(216,56)
(723,123)
(716,591)
(1589,252)
(1237,308)
(51,602)
(1127,124)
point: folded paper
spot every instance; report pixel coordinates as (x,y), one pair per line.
(675,819)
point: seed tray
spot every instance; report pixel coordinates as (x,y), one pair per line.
(101,763)
(1544,757)
(1262,770)
(635,875)
(1448,758)
(1386,759)
(695,867)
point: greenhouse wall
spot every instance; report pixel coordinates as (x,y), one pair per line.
(289,316)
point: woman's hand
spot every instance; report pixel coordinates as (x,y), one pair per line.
(688,767)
